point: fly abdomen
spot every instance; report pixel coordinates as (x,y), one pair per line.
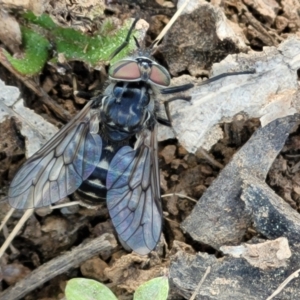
(93,189)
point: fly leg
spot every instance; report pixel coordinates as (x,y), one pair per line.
(185,87)
(167,121)
(172,90)
(167,109)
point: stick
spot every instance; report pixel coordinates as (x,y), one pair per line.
(171,22)
(200,283)
(282,286)
(15,231)
(24,218)
(59,265)
(180,196)
(6,218)
(210,158)
(11,247)
(73,203)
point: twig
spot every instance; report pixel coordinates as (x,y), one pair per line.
(59,265)
(178,195)
(200,283)
(171,22)
(57,109)
(73,203)
(262,33)
(209,158)
(6,218)
(172,221)
(15,231)
(24,218)
(282,286)
(11,247)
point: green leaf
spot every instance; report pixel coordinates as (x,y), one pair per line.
(43,20)
(41,32)
(157,288)
(87,289)
(78,46)
(35,56)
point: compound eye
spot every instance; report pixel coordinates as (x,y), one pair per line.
(159,75)
(125,70)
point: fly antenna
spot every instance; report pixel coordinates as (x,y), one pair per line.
(137,42)
(125,43)
(168,26)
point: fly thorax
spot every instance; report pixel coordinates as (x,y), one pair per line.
(125,110)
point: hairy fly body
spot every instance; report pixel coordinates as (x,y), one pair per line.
(109,150)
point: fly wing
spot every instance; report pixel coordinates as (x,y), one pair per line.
(133,194)
(61,165)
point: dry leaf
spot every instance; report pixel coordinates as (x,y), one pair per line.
(35,129)
(10,33)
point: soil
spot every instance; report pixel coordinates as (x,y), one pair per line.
(48,234)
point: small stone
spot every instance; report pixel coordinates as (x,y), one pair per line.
(281,23)
(174,177)
(94,268)
(205,169)
(182,151)
(191,160)
(209,180)
(14,272)
(56,224)
(181,246)
(48,84)
(168,153)
(267,9)
(69,106)
(296,189)
(175,164)
(66,90)
(163,181)
(199,190)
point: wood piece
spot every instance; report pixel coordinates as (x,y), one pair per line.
(260,31)
(27,214)
(59,265)
(220,217)
(230,278)
(248,277)
(270,214)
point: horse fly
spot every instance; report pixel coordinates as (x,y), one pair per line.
(108,150)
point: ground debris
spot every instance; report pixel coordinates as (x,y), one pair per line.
(224,218)
(59,265)
(264,255)
(131,270)
(236,207)
(229,278)
(94,269)
(199,37)
(12,273)
(271,92)
(34,128)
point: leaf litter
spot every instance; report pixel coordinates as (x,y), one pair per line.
(274,94)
